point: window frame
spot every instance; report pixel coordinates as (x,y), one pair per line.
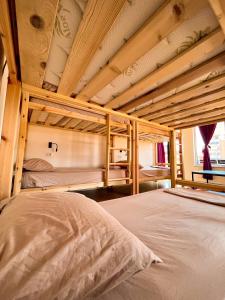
(196,162)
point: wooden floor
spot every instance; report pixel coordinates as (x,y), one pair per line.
(103,194)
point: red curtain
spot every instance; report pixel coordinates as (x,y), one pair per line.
(207,132)
(161,153)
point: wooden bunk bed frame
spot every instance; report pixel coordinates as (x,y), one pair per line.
(134,125)
(152,117)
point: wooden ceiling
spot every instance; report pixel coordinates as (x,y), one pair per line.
(193,94)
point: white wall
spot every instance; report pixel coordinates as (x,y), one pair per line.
(189,158)
(146,156)
(75,149)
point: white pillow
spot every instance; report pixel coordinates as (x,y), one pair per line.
(64,246)
(37,165)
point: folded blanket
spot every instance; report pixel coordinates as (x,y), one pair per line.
(207,197)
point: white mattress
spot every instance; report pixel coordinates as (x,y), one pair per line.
(188,235)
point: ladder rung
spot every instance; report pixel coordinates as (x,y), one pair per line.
(118,179)
(120,149)
(119,134)
(119,164)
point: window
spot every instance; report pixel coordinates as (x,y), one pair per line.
(217,144)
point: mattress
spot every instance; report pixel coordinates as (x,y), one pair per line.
(67,176)
(188,235)
(147,172)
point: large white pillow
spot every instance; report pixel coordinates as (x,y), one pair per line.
(64,246)
(37,165)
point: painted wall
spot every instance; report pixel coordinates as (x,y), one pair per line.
(188,141)
(78,149)
(146,157)
(75,149)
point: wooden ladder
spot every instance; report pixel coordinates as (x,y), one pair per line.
(110,148)
(180,165)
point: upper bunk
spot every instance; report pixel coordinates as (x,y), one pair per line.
(159,61)
(158,64)
(162,61)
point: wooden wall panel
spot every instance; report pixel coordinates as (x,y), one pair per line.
(9,139)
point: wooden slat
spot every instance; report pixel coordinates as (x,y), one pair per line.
(21,143)
(194,53)
(218,7)
(71,102)
(98,18)
(63,122)
(119,134)
(214,64)
(198,112)
(35,116)
(196,91)
(119,164)
(216,113)
(202,185)
(189,106)
(7,39)
(173,164)
(35,40)
(72,123)
(170,15)
(9,139)
(53,119)
(65,113)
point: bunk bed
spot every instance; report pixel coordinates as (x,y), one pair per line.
(39,106)
(183,227)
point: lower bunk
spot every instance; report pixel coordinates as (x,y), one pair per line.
(164,244)
(39,175)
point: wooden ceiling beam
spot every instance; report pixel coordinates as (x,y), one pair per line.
(35,21)
(214,64)
(194,53)
(165,20)
(196,113)
(200,119)
(199,90)
(192,104)
(98,18)
(7,39)
(218,7)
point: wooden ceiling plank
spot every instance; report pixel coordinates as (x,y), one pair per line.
(214,64)
(197,51)
(196,91)
(194,103)
(205,121)
(200,112)
(98,18)
(35,20)
(217,113)
(218,7)
(165,20)
(7,40)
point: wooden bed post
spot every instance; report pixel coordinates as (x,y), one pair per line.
(21,142)
(9,138)
(135,158)
(106,181)
(173,164)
